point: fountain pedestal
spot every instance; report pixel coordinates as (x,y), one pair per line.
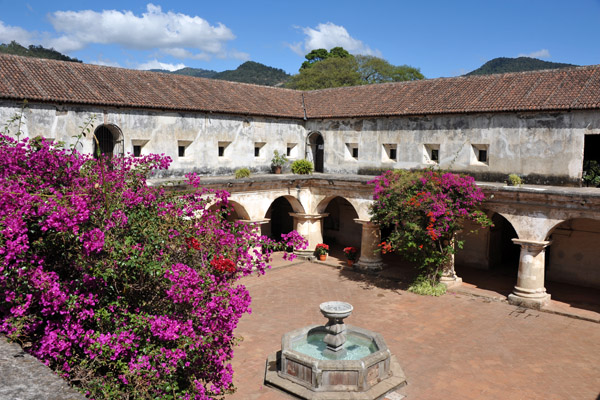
(335,312)
(310,366)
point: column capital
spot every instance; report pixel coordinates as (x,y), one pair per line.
(366,222)
(532,244)
(304,216)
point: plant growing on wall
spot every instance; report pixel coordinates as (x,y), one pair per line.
(302,167)
(424,211)
(241,173)
(124,288)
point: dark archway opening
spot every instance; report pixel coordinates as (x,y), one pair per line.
(573,263)
(316,146)
(339,227)
(105,143)
(489,259)
(502,252)
(280,220)
(591,161)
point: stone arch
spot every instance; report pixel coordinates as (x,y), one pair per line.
(490,248)
(278,215)
(315,150)
(339,226)
(235,211)
(108,140)
(573,253)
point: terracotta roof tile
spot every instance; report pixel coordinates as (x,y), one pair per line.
(57,81)
(65,82)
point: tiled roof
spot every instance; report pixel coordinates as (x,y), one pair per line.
(548,90)
(65,82)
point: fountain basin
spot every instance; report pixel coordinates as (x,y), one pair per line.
(371,375)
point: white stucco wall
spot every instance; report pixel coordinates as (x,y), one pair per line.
(163,132)
(543,147)
(547,147)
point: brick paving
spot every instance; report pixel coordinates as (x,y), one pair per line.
(456,346)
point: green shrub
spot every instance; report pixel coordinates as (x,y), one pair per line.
(302,167)
(514,180)
(591,173)
(425,287)
(242,173)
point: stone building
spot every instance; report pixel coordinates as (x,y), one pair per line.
(541,125)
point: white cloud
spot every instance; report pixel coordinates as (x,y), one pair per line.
(155,64)
(169,32)
(19,35)
(106,63)
(543,53)
(329,35)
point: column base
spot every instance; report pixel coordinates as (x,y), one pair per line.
(529,302)
(451,281)
(308,255)
(368,267)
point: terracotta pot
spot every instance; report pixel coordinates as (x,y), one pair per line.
(277,169)
(322,257)
(350,262)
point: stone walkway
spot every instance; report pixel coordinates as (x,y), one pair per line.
(457,346)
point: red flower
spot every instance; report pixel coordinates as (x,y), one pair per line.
(223,265)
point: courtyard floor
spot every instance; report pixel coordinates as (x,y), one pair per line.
(463,345)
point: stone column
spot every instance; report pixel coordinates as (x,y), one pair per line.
(310,227)
(449,277)
(255,226)
(530,291)
(370,257)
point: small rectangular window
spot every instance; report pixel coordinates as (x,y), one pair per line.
(435,156)
(355,152)
(393,154)
(288,151)
(482,156)
(137,150)
(181,151)
(256,151)
(221,151)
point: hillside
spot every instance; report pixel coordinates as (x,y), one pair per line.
(501,65)
(248,72)
(197,72)
(34,51)
(253,72)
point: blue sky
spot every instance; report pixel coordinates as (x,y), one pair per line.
(442,38)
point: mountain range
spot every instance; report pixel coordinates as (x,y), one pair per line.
(248,72)
(260,74)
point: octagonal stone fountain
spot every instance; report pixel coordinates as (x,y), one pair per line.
(334,361)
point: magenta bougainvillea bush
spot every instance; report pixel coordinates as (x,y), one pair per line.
(424,210)
(126,290)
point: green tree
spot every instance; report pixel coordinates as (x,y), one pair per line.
(327,69)
(329,73)
(377,70)
(322,54)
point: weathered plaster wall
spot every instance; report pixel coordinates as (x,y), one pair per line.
(162,133)
(574,253)
(544,147)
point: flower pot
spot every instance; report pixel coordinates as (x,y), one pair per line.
(322,257)
(277,169)
(350,262)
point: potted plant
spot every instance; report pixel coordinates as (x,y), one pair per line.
(321,251)
(351,254)
(278,161)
